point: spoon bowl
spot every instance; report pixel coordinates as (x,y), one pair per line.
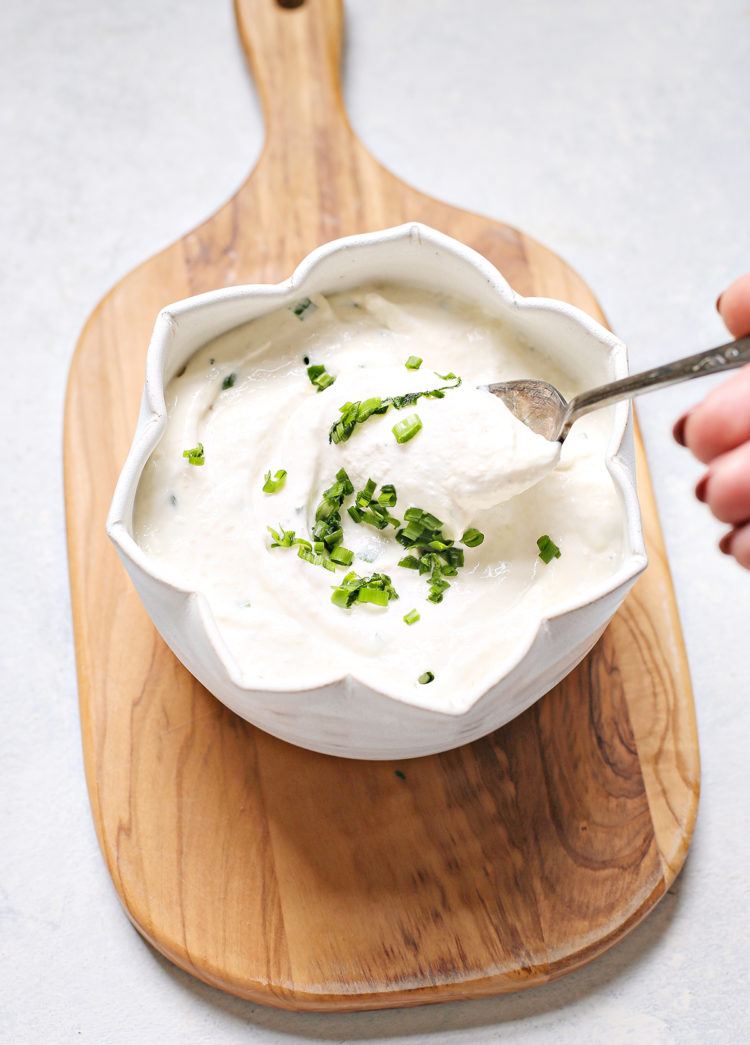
(544,410)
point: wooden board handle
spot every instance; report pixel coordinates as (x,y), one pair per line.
(295,56)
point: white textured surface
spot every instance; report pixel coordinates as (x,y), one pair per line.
(616,134)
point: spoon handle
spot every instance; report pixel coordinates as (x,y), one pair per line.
(725,357)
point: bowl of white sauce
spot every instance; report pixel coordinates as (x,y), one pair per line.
(341,533)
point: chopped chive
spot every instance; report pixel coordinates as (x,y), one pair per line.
(412,533)
(367,408)
(399,774)
(196,455)
(281,539)
(324,381)
(327,533)
(228,382)
(376,589)
(413,363)
(548,550)
(341,597)
(425,677)
(343,478)
(275,484)
(333,537)
(325,509)
(472,538)
(411,617)
(434,555)
(327,526)
(387,495)
(353,414)
(304,307)
(368,509)
(455,559)
(374,520)
(407,429)
(319,376)
(306,553)
(437,590)
(374,595)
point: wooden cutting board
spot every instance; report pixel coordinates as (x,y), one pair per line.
(309,882)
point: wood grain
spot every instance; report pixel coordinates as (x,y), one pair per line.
(311,882)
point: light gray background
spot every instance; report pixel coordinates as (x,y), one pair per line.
(615,133)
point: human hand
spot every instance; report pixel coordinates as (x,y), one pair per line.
(717,432)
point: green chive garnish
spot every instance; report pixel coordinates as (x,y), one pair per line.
(472,538)
(327,526)
(413,363)
(303,308)
(353,414)
(407,429)
(548,550)
(324,549)
(228,382)
(320,377)
(399,774)
(281,538)
(433,554)
(377,596)
(196,455)
(275,484)
(367,408)
(411,617)
(369,509)
(425,677)
(376,589)
(387,495)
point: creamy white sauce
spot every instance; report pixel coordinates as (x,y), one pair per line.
(471,464)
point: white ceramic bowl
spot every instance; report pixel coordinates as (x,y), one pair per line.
(346,717)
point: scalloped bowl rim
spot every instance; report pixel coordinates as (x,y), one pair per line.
(153,420)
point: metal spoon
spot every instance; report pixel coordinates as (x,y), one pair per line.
(542,409)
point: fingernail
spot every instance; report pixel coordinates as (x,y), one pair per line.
(725,544)
(700,490)
(679,429)
(718,302)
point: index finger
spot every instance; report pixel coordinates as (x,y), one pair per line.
(734,306)
(721,421)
